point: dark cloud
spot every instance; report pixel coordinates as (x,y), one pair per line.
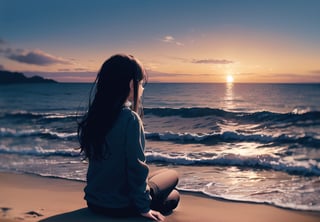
(74,70)
(36,57)
(211,61)
(81,70)
(315,71)
(64,76)
(64,70)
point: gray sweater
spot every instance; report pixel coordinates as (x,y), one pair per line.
(119,180)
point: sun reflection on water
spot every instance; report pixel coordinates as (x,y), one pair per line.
(229,97)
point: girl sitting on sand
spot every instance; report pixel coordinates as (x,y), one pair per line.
(111,136)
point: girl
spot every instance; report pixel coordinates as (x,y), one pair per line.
(111,136)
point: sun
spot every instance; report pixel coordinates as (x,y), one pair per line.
(229,79)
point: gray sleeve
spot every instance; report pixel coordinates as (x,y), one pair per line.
(136,166)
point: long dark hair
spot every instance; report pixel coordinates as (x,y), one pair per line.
(110,91)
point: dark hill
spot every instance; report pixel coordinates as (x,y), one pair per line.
(7,77)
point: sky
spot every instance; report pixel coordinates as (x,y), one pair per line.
(264,41)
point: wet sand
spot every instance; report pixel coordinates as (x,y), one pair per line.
(34,198)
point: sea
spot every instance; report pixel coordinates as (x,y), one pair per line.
(256,143)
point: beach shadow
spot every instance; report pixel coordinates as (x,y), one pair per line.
(85,215)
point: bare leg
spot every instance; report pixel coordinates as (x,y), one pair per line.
(156,172)
(162,183)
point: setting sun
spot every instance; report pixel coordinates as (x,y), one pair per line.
(229,78)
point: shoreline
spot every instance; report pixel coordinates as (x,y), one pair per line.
(26,197)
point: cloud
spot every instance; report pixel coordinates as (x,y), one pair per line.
(164,74)
(205,61)
(35,57)
(279,77)
(171,39)
(65,76)
(168,39)
(211,61)
(1,67)
(315,71)
(74,70)
(156,76)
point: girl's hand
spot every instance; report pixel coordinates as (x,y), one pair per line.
(154,215)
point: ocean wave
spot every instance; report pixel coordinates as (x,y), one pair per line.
(266,161)
(306,168)
(298,117)
(39,151)
(22,115)
(228,136)
(305,118)
(185,138)
(206,111)
(25,115)
(312,117)
(186,112)
(43,133)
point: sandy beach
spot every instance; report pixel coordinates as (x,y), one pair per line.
(35,198)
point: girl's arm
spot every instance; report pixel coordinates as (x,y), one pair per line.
(137,170)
